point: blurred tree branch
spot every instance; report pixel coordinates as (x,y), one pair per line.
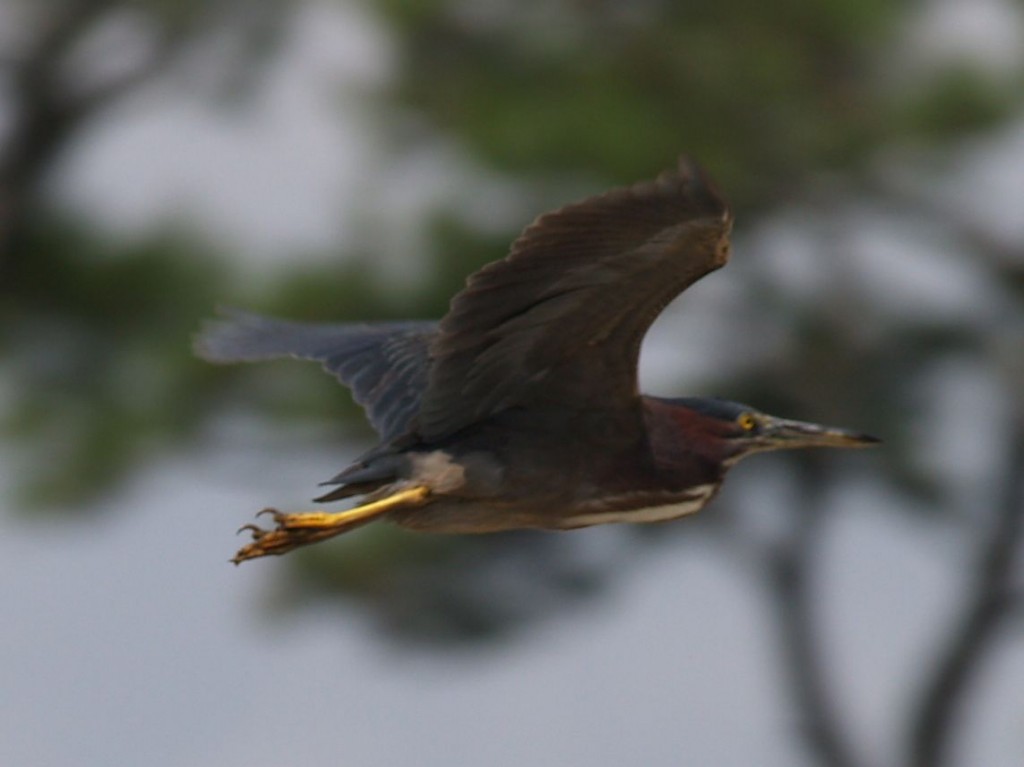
(989,602)
(42,118)
(48,106)
(786,565)
(791,578)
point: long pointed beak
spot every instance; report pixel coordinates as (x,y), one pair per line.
(784,434)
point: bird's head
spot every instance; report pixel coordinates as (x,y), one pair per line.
(731,430)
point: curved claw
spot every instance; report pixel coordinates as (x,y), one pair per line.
(255,529)
(242,555)
(272,512)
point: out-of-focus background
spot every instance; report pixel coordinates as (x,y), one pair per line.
(356,160)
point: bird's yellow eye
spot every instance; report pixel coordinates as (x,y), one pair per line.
(747,422)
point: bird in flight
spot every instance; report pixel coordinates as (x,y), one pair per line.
(520,407)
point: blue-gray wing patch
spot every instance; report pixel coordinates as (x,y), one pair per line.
(384,364)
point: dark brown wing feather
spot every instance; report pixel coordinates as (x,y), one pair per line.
(560,320)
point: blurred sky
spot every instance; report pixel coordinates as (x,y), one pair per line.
(277,175)
(128,639)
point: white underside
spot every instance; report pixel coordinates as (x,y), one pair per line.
(695,501)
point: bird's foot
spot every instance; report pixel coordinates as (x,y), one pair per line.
(289,532)
(293,530)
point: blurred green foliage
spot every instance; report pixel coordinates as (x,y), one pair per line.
(93,339)
(764,93)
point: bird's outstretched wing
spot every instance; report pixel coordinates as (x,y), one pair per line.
(384,364)
(560,320)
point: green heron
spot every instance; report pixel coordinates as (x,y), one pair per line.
(520,407)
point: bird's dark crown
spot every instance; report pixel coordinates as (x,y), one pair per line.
(713,407)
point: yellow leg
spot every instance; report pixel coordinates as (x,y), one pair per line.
(318,520)
(294,530)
